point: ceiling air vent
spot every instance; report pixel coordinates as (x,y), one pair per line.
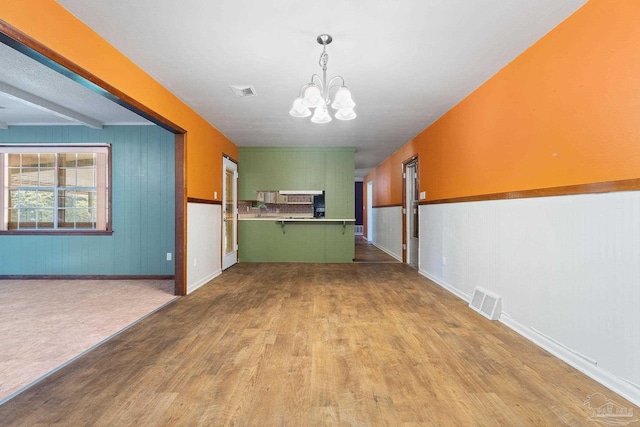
(243,91)
(486,303)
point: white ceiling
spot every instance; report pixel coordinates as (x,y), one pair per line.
(32,94)
(406,62)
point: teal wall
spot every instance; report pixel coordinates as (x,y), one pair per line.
(143,208)
(305,168)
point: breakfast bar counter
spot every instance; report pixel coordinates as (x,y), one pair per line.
(295,239)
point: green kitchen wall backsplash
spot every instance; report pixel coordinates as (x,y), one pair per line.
(301,168)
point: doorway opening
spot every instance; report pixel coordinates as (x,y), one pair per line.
(229,213)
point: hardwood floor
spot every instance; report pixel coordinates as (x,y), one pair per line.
(313,345)
(367,252)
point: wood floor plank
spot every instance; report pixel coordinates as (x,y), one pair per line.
(312,345)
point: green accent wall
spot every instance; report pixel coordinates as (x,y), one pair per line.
(298,168)
(143,208)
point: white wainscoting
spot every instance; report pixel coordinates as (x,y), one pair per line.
(203,244)
(388,230)
(567,268)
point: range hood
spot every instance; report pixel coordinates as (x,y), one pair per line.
(303,192)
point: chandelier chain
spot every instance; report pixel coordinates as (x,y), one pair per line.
(324,59)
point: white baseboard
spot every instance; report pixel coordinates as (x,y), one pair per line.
(624,388)
(629,391)
(192,287)
(456,292)
(391,254)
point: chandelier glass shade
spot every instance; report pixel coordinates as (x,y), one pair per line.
(316,94)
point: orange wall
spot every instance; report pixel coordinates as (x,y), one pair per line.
(387,177)
(51,24)
(566,111)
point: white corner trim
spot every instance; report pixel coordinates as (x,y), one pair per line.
(624,388)
(456,292)
(193,286)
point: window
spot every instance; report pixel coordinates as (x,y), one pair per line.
(58,189)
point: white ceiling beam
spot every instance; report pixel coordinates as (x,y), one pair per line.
(4,125)
(51,107)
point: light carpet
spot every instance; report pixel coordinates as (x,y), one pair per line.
(44,324)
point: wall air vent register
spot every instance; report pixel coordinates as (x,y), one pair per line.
(486,303)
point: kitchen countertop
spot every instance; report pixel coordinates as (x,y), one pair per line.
(295,219)
(301,220)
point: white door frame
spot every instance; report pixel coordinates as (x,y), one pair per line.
(229,219)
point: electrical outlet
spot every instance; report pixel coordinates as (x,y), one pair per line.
(423,195)
(195,262)
(215,194)
(168,256)
(444,260)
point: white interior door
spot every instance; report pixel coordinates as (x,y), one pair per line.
(411,209)
(229,213)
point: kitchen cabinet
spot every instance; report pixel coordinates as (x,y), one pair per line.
(300,199)
(291,199)
(267,196)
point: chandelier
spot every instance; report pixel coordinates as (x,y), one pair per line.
(317,93)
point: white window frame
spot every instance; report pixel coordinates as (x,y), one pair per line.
(103,186)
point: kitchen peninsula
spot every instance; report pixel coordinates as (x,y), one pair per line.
(280,226)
